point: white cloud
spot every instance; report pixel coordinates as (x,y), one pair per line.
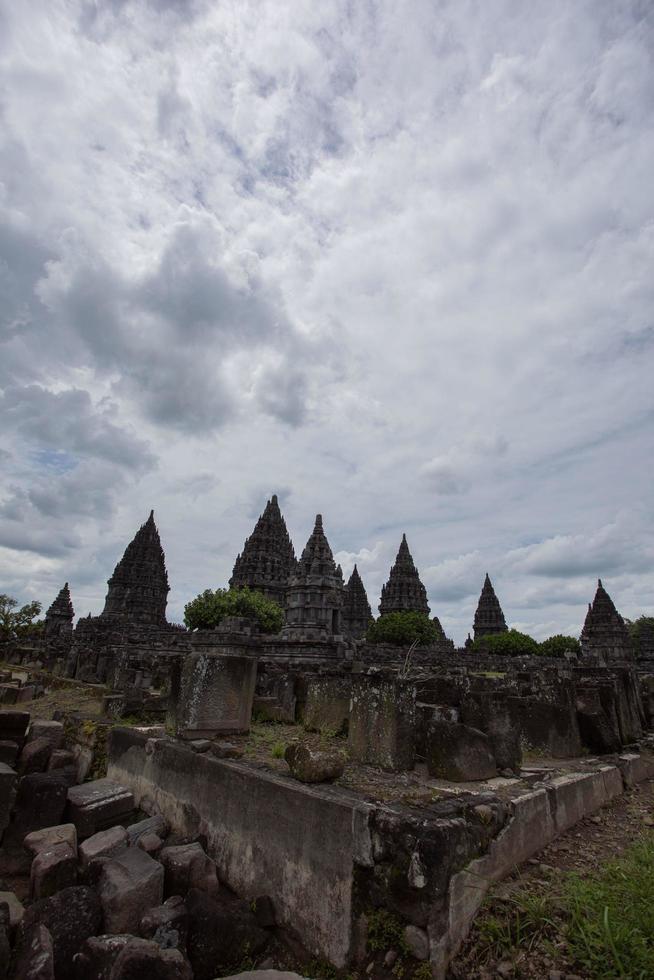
(393,258)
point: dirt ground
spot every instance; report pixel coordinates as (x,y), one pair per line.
(584,848)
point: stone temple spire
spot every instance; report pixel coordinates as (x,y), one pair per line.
(489,617)
(268,558)
(138,588)
(357,614)
(314,598)
(604,632)
(58,625)
(404,592)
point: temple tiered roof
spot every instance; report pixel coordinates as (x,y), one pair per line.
(138,588)
(268,558)
(489,617)
(58,626)
(357,614)
(404,592)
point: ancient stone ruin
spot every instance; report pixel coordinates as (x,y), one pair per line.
(240,796)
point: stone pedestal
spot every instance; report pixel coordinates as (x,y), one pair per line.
(382,722)
(215,695)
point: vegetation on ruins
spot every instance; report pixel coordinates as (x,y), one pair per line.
(641,629)
(512,643)
(558,646)
(209,609)
(403,629)
(18,622)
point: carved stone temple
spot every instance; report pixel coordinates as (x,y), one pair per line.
(58,625)
(314,599)
(489,618)
(404,592)
(138,588)
(604,631)
(268,558)
(357,614)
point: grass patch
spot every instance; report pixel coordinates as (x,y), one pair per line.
(611,916)
(385,931)
(277,750)
(604,920)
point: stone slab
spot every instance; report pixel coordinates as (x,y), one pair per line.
(98,805)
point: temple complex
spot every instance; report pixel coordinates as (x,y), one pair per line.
(314,599)
(604,632)
(357,614)
(404,592)
(268,558)
(489,618)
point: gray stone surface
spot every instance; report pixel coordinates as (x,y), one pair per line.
(72,915)
(167,925)
(129,883)
(40,802)
(8,780)
(382,722)
(53,868)
(40,840)
(140,959)
(52,731)
(459,753)
(9,752)
(35,756)
(188,866)
(216,695)
(98,805)
(15,906)
(35,959)
(103,844)
(151,825)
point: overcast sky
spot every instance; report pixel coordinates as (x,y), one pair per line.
(392,260)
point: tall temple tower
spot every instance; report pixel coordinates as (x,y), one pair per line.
(268,558)
(357,614)
(604,631)
(489,618)
(314,597)
(58,625)
(404,592)
(138,588)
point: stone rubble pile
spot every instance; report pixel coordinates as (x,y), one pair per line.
(108,898)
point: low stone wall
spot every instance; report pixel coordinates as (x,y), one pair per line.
(327,857)
(267,834)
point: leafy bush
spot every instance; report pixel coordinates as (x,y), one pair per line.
(512,643)
(402,629)
(640,631)
(559,645)
(208,609)
(16,622)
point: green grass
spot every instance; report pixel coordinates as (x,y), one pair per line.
(611,916)
(605,919)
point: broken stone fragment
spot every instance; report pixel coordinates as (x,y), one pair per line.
(150,843)
(226,750)
(8,780)
(61,759)
(102,844)
(417,942)
(52,731)
(40,802)
(53,868)
(141,958)
(35,756)
(151,825)
(187,866)
(40,840)
(14,907)
(314,765)
(9,752)
(459,753)
(128,882)
(220,934)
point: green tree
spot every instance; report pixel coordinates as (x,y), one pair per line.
(209,609)
(403,628)
(558,646)
(512,643)
(641,631)
(17,622)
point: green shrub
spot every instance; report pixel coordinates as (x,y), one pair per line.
(278,749)
(385,931)
(512,643)
(209,609)
(558,646)
(403,628)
